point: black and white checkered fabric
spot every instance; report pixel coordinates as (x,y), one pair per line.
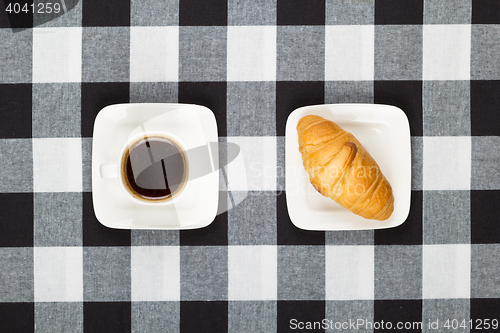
(252,62)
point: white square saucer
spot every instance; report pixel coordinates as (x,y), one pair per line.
(384,131)
(193,124)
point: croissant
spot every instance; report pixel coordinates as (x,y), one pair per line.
(341,169)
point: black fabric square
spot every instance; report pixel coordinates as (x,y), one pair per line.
(288,233)
(109,13)
(213,234)
(388,314)
(15,111)
(292,95)
(96,234)
(484,216)
(301,12)
(399,12)
(209,94)
(202,12)
(485,12)
(204,316)
(406,95)
(96,96)
(485,106)
(408,233)
(17,317)
(302,316)
(19,13)
(4,17)
(16,219)
(107,317)
(484,315)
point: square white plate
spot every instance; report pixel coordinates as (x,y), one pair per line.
(384,131)
(194,125)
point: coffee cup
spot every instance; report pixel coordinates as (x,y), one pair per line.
(152,169)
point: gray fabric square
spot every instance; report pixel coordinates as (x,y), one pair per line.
(154,237)
(256,12)
(153,92)
(58,317)
(398,272)
(154,13)
(485,271)
(348,92)
(446,108)
(155,317)
(16,56)
(223,180)
(16,274)
(301,272)
(253,221)
(447,12)
(87,164)
(16,165)
(339,312)
(436,312)
(106,54)
(349,237)
(202,53)
(300,53)
(252,316)
(398,52)
(204,274)
(56,110)
(234,198)
(251,108)
(58,219)
(106,274)
(417,153)
(227,199)
(280,160)
(345,12)
(72,18)
(485,52)
(485,169)
(446,217)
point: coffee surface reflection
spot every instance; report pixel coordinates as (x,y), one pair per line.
(154,168)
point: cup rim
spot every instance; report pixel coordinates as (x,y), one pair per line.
(166,201)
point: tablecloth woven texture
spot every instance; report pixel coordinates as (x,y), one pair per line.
(252,62)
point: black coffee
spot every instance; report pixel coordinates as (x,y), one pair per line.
(154,168)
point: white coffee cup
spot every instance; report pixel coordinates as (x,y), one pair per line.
(152,169)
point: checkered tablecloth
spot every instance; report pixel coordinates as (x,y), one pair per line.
(252,62)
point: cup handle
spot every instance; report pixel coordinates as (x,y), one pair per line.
(108,170)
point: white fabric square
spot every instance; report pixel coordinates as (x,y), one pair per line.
(349,272)
(446,52)
(154,54)
(251,53)
(349,52)
(58,274)
(255,167)
(57,165)
(155,273)
(447,163)
(57,54)
(253,272)
(446,271)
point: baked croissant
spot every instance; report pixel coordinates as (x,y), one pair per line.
(341,169)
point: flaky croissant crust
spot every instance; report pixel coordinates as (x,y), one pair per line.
(340,168)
